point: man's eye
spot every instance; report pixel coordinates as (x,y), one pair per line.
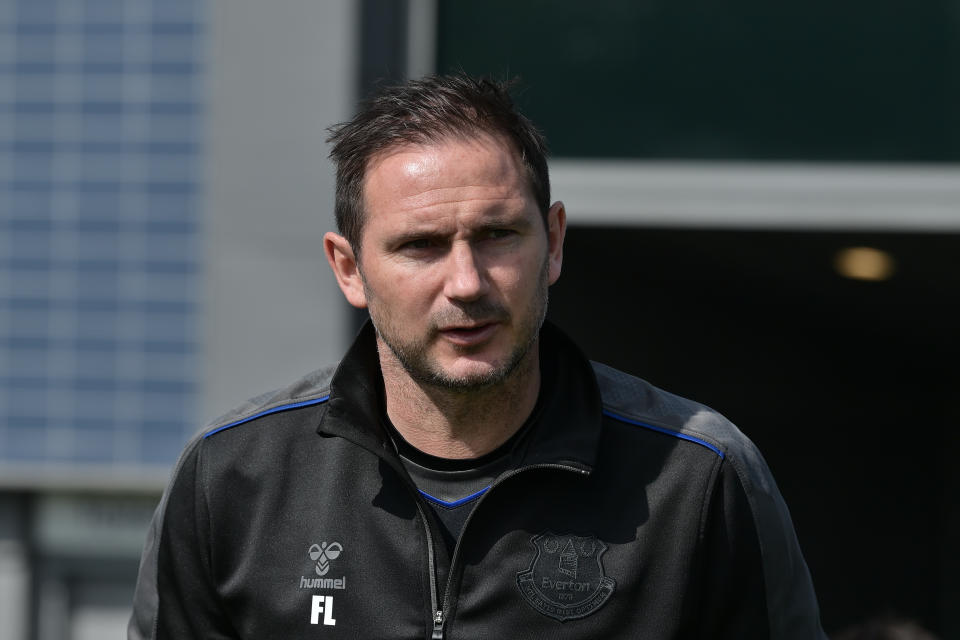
(419,243)
(496,234)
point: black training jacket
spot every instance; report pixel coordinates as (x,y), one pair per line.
(634,514)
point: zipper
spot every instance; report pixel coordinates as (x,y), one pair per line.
(432,567)
(438,617)
(431,558)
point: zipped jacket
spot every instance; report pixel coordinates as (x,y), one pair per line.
(633,513)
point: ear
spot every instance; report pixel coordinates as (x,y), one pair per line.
(345,268)
(556,230)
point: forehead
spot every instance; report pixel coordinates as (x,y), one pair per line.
(449,171)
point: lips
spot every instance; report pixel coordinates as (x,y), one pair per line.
(469,336)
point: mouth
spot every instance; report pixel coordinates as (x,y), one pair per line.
(466,336)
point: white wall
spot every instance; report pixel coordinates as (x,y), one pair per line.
(280,72)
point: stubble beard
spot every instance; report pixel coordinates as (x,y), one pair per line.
(414,355)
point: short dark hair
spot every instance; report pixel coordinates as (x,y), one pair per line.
(423,111)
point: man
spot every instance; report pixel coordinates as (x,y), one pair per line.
(465,472)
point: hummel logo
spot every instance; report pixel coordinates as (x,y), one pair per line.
(322,554)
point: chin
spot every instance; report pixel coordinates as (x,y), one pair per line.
(468,376)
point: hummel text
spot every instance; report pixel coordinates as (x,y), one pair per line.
(323,583)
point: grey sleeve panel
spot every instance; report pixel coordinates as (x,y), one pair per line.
(791,601)
(143,623)
(311,386)
(146,597)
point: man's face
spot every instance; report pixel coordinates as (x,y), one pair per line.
(455,261)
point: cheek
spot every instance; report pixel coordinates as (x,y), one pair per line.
(518,276)
(404,291)
(509,280)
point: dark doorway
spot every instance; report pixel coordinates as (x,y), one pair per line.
(848,387)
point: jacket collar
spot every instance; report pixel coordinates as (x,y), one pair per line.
(566,430)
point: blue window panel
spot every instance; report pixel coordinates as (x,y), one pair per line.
(172,366)
(102,127)
(43,11)
(33,166)
(166,399)
(179,247)
(26,288)
(105,266)
(24,109)
(108,88)
(168,436)
(103,108)
(93,305)
(173,168)
(170,266)
(82,345)
(98,243)
(170,25)
(187,227)
(159,107)
(101,206)
(33,88)
(174,87)
(168,387)
(96,364)
(11,343)
(174,48)
(161,443)
(152,345)
(89,386)
(102,10)
(20,223)
(102,171)
(170,286)
(29,244)
(102,421)
(24,443)
(32,124)
(94,446)
(22,146)
(170,327)
(36,421)
(28,205)
(96,326)
(37,49)
(171,207)
(24,400)
(96,284)
(180,127)
(27,324)
(93,402)
(28,265)
(186,11)
(160,187)
(31,300)
(29,363)
(100,46)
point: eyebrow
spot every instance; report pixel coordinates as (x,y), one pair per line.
(496,220)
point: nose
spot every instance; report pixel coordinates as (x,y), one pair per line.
(465,279)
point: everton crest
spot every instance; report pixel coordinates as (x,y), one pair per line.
(565,580)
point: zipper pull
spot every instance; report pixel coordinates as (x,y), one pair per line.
(437,626)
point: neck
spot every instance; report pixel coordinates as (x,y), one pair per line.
(459,423)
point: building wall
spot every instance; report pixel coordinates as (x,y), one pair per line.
(164,189)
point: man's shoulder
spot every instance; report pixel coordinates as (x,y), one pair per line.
(310,390)
(635,401)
